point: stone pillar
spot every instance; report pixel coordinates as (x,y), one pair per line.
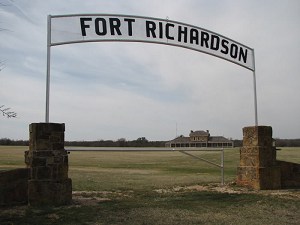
(47,160)
(258,167)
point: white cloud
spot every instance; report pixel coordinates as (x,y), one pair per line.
(113,90)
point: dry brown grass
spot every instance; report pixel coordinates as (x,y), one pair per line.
(156,188)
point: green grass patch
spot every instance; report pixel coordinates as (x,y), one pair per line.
(171,208)
(132,188)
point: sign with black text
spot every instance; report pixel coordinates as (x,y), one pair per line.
(67,29)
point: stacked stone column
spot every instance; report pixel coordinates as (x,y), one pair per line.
(47,160)
(258,167)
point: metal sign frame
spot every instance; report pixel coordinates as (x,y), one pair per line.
(167,39)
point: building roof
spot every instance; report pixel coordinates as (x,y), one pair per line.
(211,139)
(181,139)
(218,139)
(199,133)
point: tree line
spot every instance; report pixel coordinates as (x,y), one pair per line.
(122,142)
(140,142)
(278,142)
(287,142)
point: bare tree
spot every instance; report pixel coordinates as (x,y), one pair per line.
(2,65)
(5,111)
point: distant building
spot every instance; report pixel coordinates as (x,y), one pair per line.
(200,139)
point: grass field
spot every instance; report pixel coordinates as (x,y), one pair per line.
(157,188)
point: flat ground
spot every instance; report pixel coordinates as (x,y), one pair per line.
(157,188)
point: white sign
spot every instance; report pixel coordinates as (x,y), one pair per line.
(67,29)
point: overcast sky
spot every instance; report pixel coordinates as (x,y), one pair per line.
(112,90)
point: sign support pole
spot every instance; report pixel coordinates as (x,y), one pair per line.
(48,69)
(90,35)
(255,95)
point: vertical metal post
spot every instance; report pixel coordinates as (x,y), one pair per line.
(48,68)
(222,167)
(255,95)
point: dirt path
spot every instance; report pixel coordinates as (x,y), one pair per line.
(233,189)
(94,197)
